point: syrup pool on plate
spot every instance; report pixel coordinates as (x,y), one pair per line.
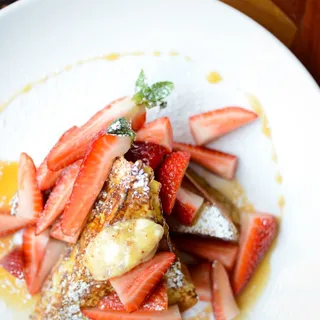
(13,291)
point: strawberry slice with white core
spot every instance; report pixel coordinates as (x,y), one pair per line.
(47,178)
(209,126)
(56,232)
(93,173)
(34,248)
(258,231)
(134,286)
(218,162)
(52,254)
(209,249)
(59,197)
(172,313)
(13,262)
(223,301)
(10,224)
(30,197)
(201,278)
(66,152)
(158,131)
(187,205)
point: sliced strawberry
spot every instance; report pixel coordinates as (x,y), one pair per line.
(157,301)
(45,177)
(209,249)
(96,314)
(158,131)
(223,301)
(10,224)
(52,254)
(68,151)
(208,126)
(201,278)
(93,173)
(257,233)
(170,175)
(59,197)
(187,205)
(30,196)
(13,262)
(56,232)
(139,118)
(200,311)
(134,286)
(33,251)
(221,163)
(150,153)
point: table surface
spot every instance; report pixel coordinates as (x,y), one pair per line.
(295,22)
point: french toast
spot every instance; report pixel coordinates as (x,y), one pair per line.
(130,193)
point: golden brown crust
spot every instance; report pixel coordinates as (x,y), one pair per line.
(129,193)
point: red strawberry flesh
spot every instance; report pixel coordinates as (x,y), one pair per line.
(208,126)
(170,175)
(134,286)
(258,231)
(33,251)
(187,205)
(158,131)
(66,152)
(56,232)
(209,249)
(223,301)
(218,162)
(149,153)
(93,173)
(47,178)
(30,197)
(201,278)
(10,224)
(157,301)
(53,252)
(59,197)
(96,314)
(13,262)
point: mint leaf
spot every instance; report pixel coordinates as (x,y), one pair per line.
(138,98)
(161,90)
(121,127)
(141,82)
(154,95)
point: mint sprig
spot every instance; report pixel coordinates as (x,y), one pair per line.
(154,95)
(121,127)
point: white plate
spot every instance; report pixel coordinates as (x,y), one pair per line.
(38,38)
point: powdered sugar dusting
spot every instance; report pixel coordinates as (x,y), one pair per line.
(175,276)
(212,222)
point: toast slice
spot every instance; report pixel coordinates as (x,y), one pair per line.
(130,193)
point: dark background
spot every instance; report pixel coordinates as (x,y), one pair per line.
(305,14)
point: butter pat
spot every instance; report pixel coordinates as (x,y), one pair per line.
(120,247)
